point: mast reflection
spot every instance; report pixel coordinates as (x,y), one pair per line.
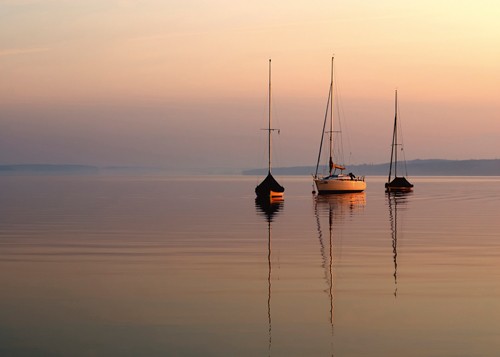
(393,200)
(269,208)
(336,208)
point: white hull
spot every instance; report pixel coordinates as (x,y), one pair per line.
(341,184)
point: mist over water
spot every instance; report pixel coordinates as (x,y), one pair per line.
(189,266)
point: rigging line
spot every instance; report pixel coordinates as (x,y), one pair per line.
(394,134)
(275,145)
(341,114)
(323,131)
(404,158)
(402,141)
(276,150)
(339,142)
(263,157)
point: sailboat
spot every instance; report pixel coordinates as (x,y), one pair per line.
(335,181)
(398,183)
(269,188)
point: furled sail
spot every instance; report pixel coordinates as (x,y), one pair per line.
(267,185)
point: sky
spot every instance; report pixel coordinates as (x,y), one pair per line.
(184,84)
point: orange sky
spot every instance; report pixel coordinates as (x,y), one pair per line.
(184,84)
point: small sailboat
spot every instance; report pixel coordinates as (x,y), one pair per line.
(335,181)
(398,183)
(269,188)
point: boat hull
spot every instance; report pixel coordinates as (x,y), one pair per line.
(398,189)
(399,184)
(335,185)
(269,188)
(271,196)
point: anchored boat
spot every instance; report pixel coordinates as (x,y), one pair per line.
(336,181)
(269,188)
(398,183)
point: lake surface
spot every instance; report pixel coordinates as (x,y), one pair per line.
(192,266)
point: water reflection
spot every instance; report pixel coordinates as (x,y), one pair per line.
(269,208)
(341,204)
(393,200)
(335,207)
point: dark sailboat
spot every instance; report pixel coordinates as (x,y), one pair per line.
(398,183)
(269,188)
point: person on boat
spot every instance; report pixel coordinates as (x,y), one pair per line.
(352,176)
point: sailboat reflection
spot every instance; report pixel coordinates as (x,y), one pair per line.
(393,200)
(269,208)
(336,208)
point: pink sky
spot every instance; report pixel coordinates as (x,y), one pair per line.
(184,84)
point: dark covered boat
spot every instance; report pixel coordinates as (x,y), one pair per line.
(398,183)
(269,188)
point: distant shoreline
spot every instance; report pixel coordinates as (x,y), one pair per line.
(431,167)
(69,169)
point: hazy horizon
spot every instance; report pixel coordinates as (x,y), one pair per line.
(183,85)
(417,167)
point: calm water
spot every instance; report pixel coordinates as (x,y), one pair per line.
(161,266)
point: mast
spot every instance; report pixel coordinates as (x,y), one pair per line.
(396,134)
(394,151)
(269,123)
(330,162)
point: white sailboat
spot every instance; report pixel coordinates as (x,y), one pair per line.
(335,181)
(398,183)
(269,188)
